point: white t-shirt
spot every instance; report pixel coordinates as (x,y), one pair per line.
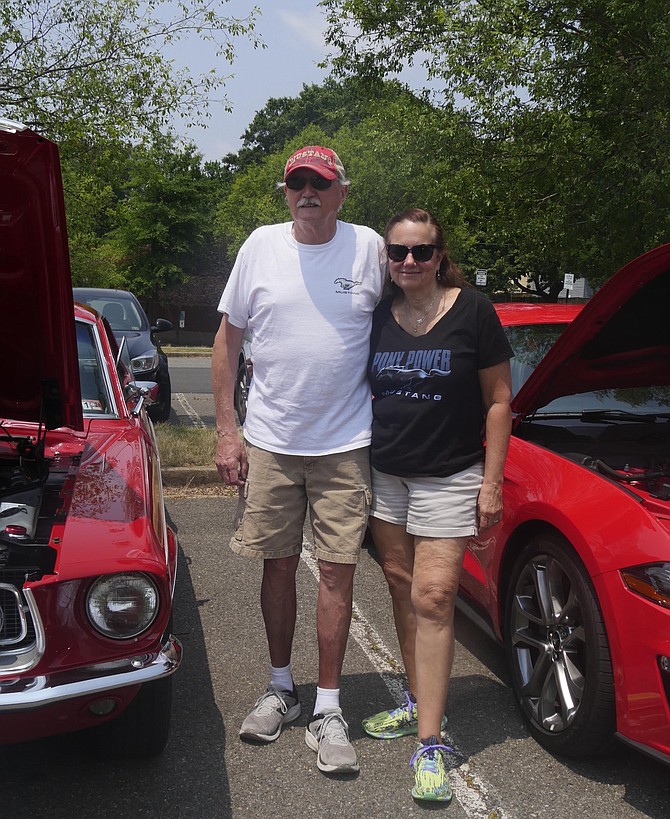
(308,309)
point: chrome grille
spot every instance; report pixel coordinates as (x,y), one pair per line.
(20,645)
(13,620)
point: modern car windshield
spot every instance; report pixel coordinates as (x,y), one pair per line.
(122,314)
(95,398)
(532,342)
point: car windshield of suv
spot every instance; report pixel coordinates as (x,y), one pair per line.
(532,342)
(95,398)
(122,314)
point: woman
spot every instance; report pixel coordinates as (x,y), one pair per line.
(440,376)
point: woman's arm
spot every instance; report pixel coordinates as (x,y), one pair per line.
(496,387)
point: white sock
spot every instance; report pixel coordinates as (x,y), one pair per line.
(282,677)
(326,698)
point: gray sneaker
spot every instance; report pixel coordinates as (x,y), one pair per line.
(328,735)
(273,709)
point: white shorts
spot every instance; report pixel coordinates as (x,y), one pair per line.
(429,507)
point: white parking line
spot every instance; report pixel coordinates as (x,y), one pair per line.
(473,794)
(196,420)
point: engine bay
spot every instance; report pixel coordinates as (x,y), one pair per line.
(635,453)
(31,500)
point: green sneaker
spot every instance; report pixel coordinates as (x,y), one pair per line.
(431,779)
(398,722)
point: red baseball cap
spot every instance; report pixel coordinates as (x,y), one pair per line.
(323,161)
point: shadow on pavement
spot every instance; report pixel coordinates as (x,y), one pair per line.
(55,777)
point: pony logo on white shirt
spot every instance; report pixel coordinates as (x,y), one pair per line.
(346,285)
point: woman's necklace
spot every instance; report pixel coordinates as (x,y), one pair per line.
(418,322)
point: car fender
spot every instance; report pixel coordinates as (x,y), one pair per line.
(115,514)
(608,526)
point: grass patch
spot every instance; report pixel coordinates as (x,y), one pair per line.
(185,446)
(186,351)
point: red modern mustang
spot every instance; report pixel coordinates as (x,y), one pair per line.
(575,580)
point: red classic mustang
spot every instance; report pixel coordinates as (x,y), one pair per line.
(575,580)
(87,560)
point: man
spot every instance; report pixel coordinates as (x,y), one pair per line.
(305,290)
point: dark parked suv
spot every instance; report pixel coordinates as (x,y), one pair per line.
(128,320)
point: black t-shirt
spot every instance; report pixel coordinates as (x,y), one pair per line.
(428,416)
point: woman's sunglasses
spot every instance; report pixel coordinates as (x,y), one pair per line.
(420,253)
(319,183)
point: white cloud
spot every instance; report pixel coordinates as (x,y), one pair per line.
(309,27)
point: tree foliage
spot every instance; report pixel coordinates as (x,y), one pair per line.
(326,106)
(96,76)
(164,222)
(388,140)
(89,69)
(144,218)
(330,107)
(93,181)
(570,102)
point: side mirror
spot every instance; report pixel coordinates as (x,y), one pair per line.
(143,392)
(162,326)
(148,390)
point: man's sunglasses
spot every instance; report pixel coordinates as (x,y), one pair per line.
(319,183)
(420,253)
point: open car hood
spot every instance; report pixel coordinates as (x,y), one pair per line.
(620,339)
(39,370)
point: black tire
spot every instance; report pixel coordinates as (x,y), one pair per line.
(558,652)
(241,392)
(142,730)
(161,410)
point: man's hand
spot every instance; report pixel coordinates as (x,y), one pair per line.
(231,458)
(231,454)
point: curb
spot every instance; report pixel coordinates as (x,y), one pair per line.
(190,475)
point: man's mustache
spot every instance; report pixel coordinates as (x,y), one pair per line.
(308,201)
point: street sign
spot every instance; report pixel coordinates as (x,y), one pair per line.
(568,281)
(480,277)
(182,319)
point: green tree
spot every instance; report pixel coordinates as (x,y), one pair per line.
(90,69)
(95,178)
(399,151)
(143,218)
(97,77)
(330,106)
(165,221)
(571,103)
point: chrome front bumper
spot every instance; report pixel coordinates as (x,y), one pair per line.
(24,693)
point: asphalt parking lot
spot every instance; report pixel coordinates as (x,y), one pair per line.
(499,772)
(206,771)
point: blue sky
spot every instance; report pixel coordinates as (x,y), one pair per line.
(293,32)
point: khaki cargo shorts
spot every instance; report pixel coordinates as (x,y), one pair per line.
(279,491)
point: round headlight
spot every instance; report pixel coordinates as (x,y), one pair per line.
(122,605)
